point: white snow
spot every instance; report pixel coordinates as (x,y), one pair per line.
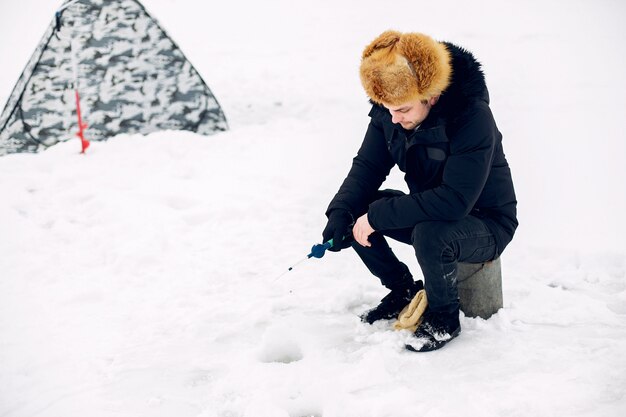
(140,279)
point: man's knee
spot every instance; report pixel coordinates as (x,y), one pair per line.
(430,239)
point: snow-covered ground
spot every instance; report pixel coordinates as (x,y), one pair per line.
(140,279)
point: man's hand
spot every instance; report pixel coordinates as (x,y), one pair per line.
(362,230)
(338,229)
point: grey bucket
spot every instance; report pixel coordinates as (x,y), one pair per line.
(480,288)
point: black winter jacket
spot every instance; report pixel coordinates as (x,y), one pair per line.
(454,164)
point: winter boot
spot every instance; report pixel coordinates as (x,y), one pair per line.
(435,330)
(393,303)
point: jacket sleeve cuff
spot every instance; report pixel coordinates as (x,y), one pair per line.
(373,215)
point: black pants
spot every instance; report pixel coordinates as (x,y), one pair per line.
(438,245)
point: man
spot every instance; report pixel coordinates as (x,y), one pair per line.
(431,118)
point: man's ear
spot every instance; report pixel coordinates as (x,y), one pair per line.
(433,100)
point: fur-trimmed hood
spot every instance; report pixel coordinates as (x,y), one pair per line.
(467,83)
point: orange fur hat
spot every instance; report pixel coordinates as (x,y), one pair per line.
(400,67)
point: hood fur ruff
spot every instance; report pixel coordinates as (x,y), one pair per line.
(400,67)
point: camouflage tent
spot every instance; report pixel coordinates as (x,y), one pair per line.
(131,76)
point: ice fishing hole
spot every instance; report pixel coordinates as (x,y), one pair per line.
(280,351)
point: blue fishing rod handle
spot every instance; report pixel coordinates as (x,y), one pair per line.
(317,251)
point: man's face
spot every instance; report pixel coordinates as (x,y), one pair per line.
(411,114)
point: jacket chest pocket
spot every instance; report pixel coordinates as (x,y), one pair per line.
(436,154)
(421,156)
(425,165)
